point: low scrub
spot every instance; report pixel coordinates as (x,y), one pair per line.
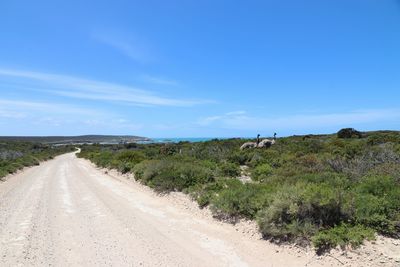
(236,200)
(329,190)
(173,175)
(15,155)
(342,235)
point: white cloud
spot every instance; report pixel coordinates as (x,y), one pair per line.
(159,80)
(4,113)
(76,87)
(209,120)
(242,121)
(115,124)
(49,121)
(133,49)
(21,108)
(236,115)
(36,115)
(239,112)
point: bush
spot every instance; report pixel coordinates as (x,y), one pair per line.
(133,157)
(125,167)
(299,207)
(228,169)
(238,200)
(3,173)
(239,157)
(274,219)
(140,169)
(365,161)
(261,172)
(383,138)
(322,203)
(377,204)
(342,235)
(203,193)
(173,175)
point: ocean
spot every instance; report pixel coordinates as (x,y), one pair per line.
(180,139)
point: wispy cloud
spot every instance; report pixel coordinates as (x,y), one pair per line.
(32,116)
(22,108)
(159,80)
(224,118)
(236,113)
(76,87)
(241,120)
(4,113)
(116,124)
(134,50)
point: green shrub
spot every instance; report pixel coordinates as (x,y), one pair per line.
(3,173)
(237,200)
(239,157)
(382,138)
(102,159)
(275,218)
(173,175)
(261,172)
(140,169)
(299,210)
(129,156)
(342,235)
(228,169)
(203,193)
(125,167)
(377,204)
(322,204)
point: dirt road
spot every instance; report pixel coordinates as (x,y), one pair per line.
(65,212)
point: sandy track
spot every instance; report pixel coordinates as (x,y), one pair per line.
(65,212)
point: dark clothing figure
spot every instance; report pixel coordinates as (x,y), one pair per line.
(258,139)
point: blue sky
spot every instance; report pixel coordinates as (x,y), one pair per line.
(198,68)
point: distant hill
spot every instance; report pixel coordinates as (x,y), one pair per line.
(83,139)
